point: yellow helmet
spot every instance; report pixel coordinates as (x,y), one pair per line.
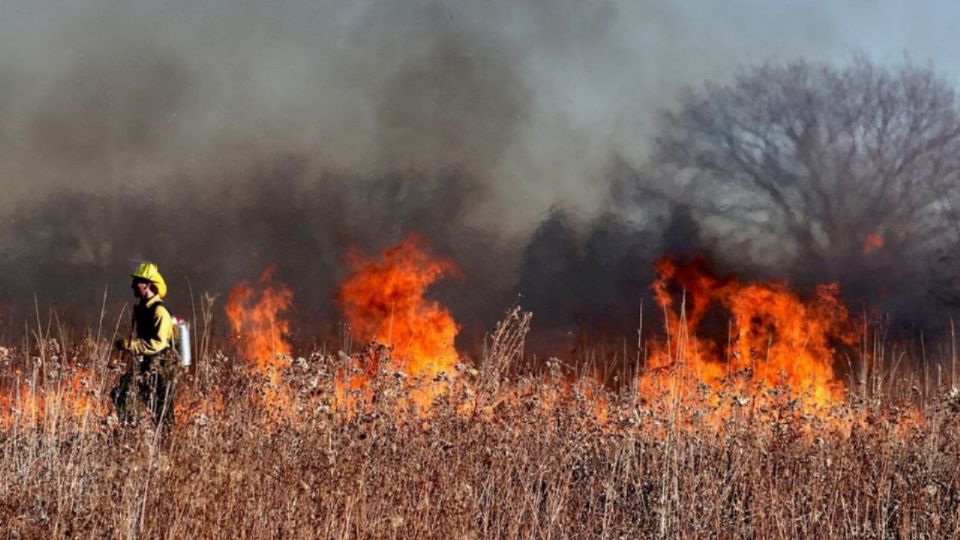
(151,273)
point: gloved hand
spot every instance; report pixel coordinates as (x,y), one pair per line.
(120,344)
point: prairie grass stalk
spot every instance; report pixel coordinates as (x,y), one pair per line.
(502,453)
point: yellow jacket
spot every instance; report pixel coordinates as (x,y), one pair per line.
(152,328)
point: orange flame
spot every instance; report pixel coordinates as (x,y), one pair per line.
(73,397)
(260,326)
(874,242)
(262,330)
(776,341)
(199,408)
(383,300)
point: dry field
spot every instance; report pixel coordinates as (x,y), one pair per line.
(498,454)
(799,422)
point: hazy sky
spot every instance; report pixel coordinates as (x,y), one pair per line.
(532,98)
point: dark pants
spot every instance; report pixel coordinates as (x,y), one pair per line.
(154,385)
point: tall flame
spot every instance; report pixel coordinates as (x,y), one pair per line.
(262,331)
(259,324)
(776,340)
(383,300)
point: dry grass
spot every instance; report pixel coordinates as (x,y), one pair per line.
(528,458)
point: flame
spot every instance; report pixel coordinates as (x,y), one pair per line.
(262,331)
(776,342)
(874,242)
(73,397)
(352,386)
(383,301)
(260,325)
(199,408)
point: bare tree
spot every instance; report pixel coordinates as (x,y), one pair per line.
(826,163)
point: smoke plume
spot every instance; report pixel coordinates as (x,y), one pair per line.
(218,138)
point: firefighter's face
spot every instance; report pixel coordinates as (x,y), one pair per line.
(141,288)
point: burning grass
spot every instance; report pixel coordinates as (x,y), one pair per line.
(755,436)
(499,455)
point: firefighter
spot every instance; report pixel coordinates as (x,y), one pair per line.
(150,343)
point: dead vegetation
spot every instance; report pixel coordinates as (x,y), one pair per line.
(498,455)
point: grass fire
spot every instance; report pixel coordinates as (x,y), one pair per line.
(746,414)
(479,270)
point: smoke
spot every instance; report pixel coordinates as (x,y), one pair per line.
(217,138)
(532,98)
(222,147)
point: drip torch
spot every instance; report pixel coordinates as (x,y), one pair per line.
(181,336)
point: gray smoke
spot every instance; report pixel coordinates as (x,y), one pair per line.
(220,137)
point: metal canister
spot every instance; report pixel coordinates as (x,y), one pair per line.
(183,341)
